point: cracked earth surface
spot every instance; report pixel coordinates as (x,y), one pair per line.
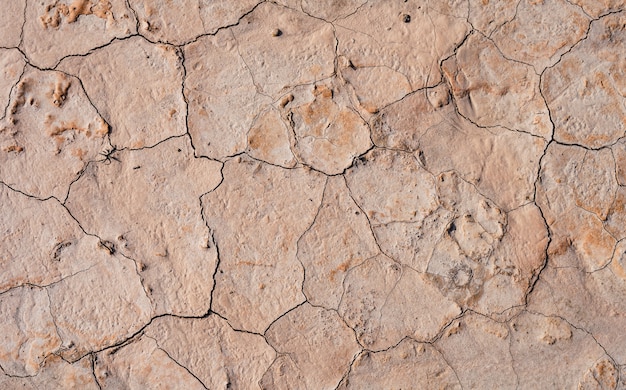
(299,194)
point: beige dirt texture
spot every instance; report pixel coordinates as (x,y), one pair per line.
(313,194)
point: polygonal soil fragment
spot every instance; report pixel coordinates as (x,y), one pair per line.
(408,365)
(223,99)
(319,345)
(412,243)
(11,68)
(477,348)
(502,164)
(152,214)
(598,191)
(537,339)
(392,186)
(182,21)
(590,75)
(476,261)
(219,356)
(339,239)
(576,192)
(257,216)
(515,261)
(41,243)
(27,331)
(155,110)
(11,22)
(269,140)
(100,306)
(49,134)
(541,32)
(493,91)
(591,301)
(141,364)
(329,134)
(402,124)
(270,42)
(58,28)
(397,45)
(364,78)
(385,302)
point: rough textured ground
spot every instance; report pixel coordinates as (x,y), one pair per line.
(313,194)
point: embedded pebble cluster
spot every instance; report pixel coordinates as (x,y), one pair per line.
(313,194)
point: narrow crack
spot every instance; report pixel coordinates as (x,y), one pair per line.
(92,360)
(309,227)
(13,87)
(177,362)
(20,44)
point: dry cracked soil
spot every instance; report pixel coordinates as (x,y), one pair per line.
(313,194)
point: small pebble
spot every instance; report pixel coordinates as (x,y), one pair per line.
(277,32)
(406,18)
